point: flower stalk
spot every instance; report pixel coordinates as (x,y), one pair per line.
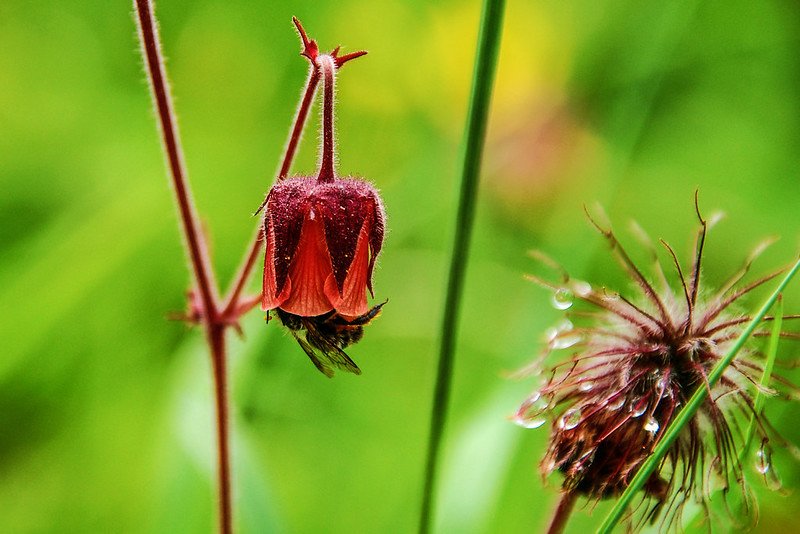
(562,513)
(328,68)
(204,279)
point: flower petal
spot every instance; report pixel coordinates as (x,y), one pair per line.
(287,205)
(345,205)
(269,297)
(352,301)
(309,269)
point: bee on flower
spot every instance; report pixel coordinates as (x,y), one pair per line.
(635,362)
(323,235)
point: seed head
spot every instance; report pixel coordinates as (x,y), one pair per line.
(635,362)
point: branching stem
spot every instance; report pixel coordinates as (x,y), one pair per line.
(216,317)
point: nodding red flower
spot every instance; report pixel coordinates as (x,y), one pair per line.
(323,234)
(635,363)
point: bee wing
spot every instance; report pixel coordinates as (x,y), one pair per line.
(333,354)
(323,367)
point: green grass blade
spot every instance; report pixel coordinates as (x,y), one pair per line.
(758,404)
(673,430)
(475,133)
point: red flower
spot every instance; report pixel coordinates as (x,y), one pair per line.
(322,242)
(323,234)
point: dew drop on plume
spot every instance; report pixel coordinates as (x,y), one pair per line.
(534,422)
(570,419)
(531,413)
(763,460)
(638,407)
(562,298)
(615,404)
(651,425)
(581,288)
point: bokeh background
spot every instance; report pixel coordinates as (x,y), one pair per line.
(105,405)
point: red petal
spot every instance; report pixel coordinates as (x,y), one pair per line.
(269,299)
(310,267)
(287,207)
(352,302)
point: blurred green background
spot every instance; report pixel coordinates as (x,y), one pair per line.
(105,405)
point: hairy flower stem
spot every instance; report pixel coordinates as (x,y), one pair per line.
(562,513)
(213,322)
(328,68)
(195,241)
(216,340)
(475,133)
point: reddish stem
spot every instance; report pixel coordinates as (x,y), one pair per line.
(198,251)
(216,339)
(562,513)
(327,65)
(205,282)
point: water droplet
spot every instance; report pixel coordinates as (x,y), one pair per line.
(615,404)
(557,337)
(530,414)
(586,386)
(763,460)
(764,466)
(534,422)
(638,407)
(651,425)
(581,288)
(565,342)
(564,325)
(570,419)
(562,298)
(663,383)
(550,334)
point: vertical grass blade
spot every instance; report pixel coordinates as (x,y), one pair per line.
(475,133)
(758,403)
(688,411)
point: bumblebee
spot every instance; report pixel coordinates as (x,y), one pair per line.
(324,337)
